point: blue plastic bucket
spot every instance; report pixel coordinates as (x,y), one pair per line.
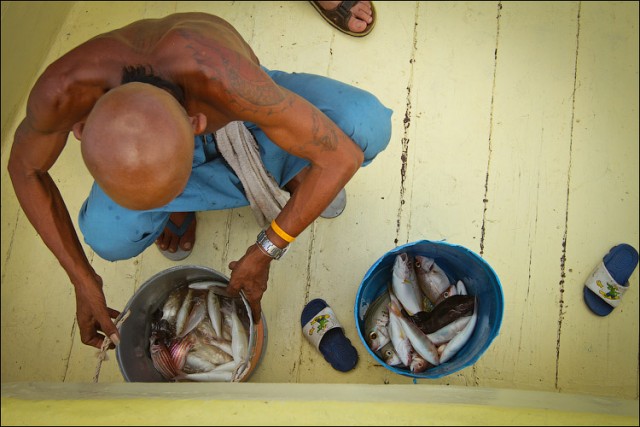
(460,264)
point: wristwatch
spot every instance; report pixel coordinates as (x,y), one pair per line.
(268,247)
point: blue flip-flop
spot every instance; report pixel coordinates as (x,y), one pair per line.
(180,253)
(321,327)
(607,283)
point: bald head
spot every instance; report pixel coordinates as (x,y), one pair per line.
(137,143)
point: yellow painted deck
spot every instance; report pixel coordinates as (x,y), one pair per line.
(515,134)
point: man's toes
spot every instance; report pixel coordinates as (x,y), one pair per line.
(173,246)
(363,13)
(161,242)
(357,25)
(360,17)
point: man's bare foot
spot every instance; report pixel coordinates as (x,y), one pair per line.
(361,14)
(180,233)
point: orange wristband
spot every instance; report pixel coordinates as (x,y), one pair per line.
(280,232)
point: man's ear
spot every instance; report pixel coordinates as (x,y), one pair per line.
(198,123)
(77,129)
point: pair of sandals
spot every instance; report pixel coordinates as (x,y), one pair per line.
(339,17)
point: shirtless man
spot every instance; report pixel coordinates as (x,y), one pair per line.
(144,100)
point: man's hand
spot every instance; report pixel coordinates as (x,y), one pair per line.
(94,316)
(250,275)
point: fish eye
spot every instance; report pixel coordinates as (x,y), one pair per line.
(373,335)
(388,353)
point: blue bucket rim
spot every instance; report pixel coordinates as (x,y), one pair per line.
(495,328)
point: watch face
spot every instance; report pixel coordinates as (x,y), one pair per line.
(272,250)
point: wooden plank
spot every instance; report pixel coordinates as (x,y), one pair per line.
(529,162)
(599,355)
(453,85)
(345,247)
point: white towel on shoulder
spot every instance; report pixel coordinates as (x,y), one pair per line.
(240,149)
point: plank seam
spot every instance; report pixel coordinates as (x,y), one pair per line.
(405,137)
(563,257)
(485,199)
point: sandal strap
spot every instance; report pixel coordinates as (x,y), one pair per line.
(341,14)
(179,231)
(320,324)
(603,285)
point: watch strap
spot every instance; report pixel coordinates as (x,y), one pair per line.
(268,247)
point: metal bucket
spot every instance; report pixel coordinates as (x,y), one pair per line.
(133,354)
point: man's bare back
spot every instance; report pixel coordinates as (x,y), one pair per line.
(171,46)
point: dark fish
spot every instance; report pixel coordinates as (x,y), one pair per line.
(163,331)
(447,311)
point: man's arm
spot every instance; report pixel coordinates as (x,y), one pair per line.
(32,155)
(301,129)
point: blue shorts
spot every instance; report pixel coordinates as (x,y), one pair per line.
(116,233)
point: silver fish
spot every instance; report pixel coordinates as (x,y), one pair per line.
(215,315)
(226,328)
(431,278)
(211,376)
(222,345)
(205,330)
(184,311)
(418,363)
(196,363)
(241,371)
(461,338)
(210,284)
(404,284)
(172,305)
(229,366)
(400,340)
(446,333)
(239,337)
(208,352)
(378,337)
(389,355)
(417,338)
(196,316)
(376,322)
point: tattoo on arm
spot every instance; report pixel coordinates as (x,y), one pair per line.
(249,89)
(257,91)
(324,137)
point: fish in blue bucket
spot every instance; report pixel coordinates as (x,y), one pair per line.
(454,322)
